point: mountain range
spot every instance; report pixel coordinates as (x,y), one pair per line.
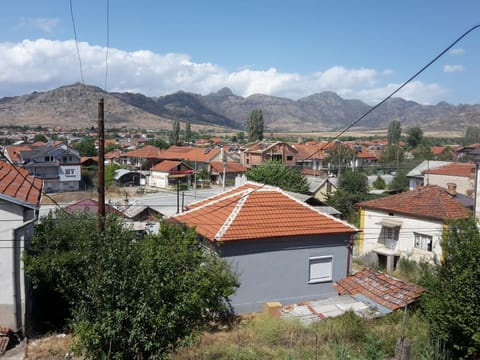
(76,106)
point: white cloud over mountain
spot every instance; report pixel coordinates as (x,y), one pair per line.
(45,64)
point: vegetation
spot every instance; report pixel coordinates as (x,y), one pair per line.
(394,132)
(86,147)
(400,181)
(277,174)
(472,135)
(188,135)
(352,188)
(255,125)
(129,299)
(339,156)
(40,137)
(414,137)
(452,303)
(379,183)
(174,135)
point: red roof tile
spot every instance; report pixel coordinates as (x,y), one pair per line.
(146,152)
(190,153)
(16,183)
(231,167)
(431,202)
(258,212)
(13,151)
(454,169)
(381,288)
(166,165)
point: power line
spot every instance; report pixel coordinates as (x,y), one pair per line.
(108,43)
(76,42)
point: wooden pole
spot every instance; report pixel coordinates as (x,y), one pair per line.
(101,167)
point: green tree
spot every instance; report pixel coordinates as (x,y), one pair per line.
(86,147)
(188,132)
(452,301)
(174,135)
(414,137)
(339,156)
(352,188)
(40,137)
(472,135)
(400,181)
(277,174)
(158,142)
(379,183)
(241,136)
(130,299)
(110,171)
(255,125)
(394,132)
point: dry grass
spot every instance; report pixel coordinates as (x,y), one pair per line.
(50,347)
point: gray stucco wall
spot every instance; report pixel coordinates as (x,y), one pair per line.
(278,269)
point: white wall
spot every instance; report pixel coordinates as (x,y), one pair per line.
(373,236)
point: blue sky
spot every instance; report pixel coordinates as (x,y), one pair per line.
(359,49)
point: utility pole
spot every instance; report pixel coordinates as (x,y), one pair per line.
(101,168)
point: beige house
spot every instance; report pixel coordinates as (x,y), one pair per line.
(458,176)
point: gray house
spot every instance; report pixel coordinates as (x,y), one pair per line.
(281,248)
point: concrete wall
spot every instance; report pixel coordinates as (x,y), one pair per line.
(465,185)
(278,270)
(13,235)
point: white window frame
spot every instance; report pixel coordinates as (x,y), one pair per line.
(70,172)
(422,241)
(321,261)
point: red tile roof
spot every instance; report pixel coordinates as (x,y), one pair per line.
(146,152)
(431,202)
(313,151)
(90,205)
(13,151)
(190,153)
(231,167)
(16,183)
(454,169)
(259,212)
(381,288)
(166,165)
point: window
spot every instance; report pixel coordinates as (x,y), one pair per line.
(70,172)
(320,269)
(423,242)
(289,157)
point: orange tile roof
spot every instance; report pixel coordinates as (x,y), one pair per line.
(313,151)
(259,212)
(146,152)
(431,201)
(16,183)
(166,165)
(231,167)
(381,288)
(454,169)
(13,151)
(91,205)
(114,154)
(190,153)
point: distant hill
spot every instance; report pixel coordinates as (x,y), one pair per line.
(75,106)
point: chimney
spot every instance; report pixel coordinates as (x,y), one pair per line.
(452,189)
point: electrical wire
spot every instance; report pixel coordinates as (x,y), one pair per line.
(76,42)
(108,43)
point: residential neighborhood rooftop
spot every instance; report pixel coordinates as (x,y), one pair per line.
(259,212)
(17,184)
(430,201)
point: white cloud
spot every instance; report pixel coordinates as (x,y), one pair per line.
(45,64)
(453,68)
(45,24)
(457,51)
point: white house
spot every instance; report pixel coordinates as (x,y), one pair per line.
(19,204)
(409,224)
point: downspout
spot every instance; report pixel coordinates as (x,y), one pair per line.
(349,254)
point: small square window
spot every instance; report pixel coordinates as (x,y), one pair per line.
(70,172)
(320,269)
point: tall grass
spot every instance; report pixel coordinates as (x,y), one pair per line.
(344,337)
